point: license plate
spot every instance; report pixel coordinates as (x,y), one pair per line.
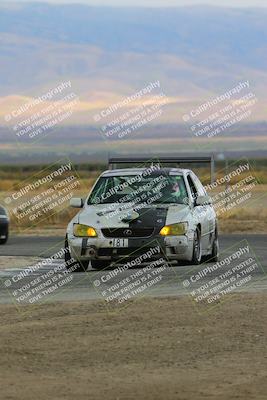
(120,243)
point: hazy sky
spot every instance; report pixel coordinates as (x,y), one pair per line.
(157,3)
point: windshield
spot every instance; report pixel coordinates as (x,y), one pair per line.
(152,189)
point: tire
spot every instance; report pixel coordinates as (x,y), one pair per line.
(3,241)
(99,265)
(197,251)
(80,266)
(215,248)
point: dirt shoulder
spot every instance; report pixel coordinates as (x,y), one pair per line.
(154,349)
(10,262)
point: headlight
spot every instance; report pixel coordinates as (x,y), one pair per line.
(84,231)
(174,229)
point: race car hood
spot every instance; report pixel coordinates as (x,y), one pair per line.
(114,215)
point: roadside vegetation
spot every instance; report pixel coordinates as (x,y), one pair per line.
(250,216)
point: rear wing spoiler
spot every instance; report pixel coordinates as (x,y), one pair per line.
(177,160)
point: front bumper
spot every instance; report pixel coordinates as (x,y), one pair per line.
(171,248)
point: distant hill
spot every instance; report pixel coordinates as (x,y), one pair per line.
(195,52)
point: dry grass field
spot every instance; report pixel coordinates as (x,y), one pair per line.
(249,216)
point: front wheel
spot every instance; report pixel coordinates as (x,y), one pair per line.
(71,264)
(197,250)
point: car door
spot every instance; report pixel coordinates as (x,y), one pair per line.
(201,213)
(209,211)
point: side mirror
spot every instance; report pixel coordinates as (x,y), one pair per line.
(76,202)
(203,201)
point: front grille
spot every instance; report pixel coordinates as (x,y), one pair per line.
(127,232)
(131,252)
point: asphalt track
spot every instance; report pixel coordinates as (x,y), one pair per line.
(243,261)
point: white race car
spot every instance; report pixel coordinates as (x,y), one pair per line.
(129,208)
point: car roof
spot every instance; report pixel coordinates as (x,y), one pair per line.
(136,171)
